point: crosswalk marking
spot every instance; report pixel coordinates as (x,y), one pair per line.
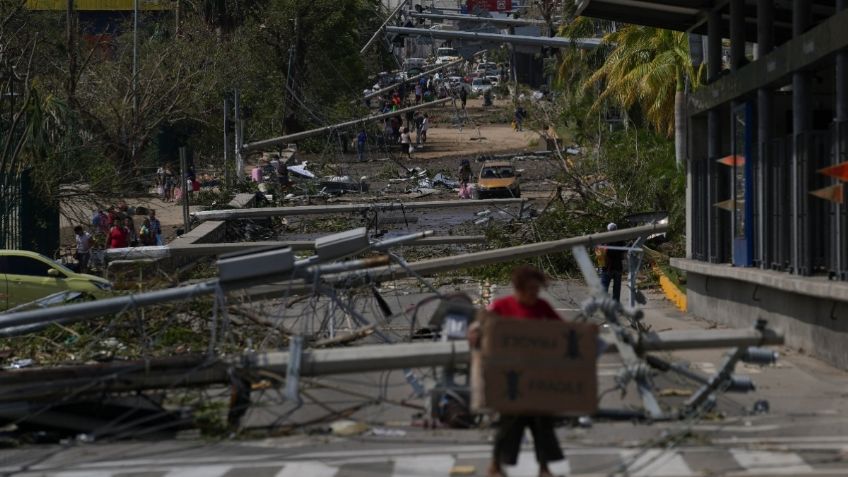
(423,465)
(312,469)
(200,471)
(782,463)
(75,473)
(528,467)
(658,463)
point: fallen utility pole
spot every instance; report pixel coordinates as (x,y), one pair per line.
(380,30)
(265,212)
(487,257)
(413,78)
(22,322)
(194,370)
(267,143)
(506,22)
(158,252)
(542,41)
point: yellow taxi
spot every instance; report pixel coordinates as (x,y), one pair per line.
(28,276)
(497,179)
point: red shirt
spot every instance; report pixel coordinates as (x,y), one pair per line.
(509,307)
(118,237)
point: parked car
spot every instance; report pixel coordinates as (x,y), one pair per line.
(446,55)
(494,80)
(28,276)
(480,85)
(497,179)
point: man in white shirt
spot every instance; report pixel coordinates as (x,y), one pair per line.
(83,254)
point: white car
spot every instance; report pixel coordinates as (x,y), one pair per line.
(446,55)
(480,85)
(494,80)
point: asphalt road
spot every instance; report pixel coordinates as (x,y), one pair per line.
(804,432)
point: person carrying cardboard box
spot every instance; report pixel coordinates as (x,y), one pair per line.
(524,304)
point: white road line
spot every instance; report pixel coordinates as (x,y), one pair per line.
(528,467)
(200,471)
(423,466)
(657,463)
(75,473)
(311,469)
(776,463)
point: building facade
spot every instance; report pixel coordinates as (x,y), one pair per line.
(767,227)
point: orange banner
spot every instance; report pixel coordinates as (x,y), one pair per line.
(834,193)
(732,160)
(839,171)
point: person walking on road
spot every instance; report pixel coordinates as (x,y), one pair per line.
(406,143)
(463,96)
(613,266)
(83,253)
(523,304)
(360,145)
(520,114)
(155,227)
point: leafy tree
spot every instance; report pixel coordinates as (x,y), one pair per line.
(649,67)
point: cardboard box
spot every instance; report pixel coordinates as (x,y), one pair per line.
(535,367)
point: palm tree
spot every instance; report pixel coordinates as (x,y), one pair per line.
(649,67)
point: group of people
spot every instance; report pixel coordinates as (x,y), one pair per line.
(396,130)
(170,188)
(115,228)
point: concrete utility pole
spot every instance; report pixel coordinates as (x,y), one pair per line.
(554,42)
(134,79)
(499,22)
(414,78)
(267,143)
(227,177)
(195,370)
(380,30)
(186,192)
(264,212)
(238,131)
(12,323)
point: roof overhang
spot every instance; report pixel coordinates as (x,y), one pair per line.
(691,15)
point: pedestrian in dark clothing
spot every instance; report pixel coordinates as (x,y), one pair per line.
(524,304)
(463,96)
(360,145)
(613,267)
(520,114)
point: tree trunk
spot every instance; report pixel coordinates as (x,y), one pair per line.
(680,128)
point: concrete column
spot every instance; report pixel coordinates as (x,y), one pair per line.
(840,223)
(713,141)
(841,75)
(765,44)
(801,122)
(737,34)
(713,46)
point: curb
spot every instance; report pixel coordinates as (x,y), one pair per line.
(670,290)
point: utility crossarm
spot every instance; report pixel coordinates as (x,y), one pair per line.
(541,41)
(267,143)
(413,78)
(265,212)
(506,22)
